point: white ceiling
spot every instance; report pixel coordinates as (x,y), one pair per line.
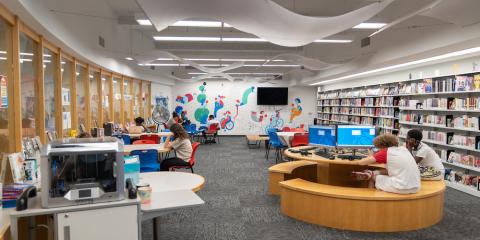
(399,39)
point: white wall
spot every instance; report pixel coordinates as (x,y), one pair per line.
(244,119)
(159,90)
(453,67)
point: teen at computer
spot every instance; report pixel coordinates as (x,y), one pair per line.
(429,163)
(401,174)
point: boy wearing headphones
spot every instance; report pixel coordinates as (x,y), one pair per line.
(429,163)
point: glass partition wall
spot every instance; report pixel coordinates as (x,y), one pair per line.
(117,97)
(6,79)
(94,77)
(81,75)
(106,99)
(67,69)
(49,81)
(29,86)
(127,100)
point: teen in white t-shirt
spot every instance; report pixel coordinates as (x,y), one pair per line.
(430,164)
(401,174)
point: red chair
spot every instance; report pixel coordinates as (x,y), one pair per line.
(143,142)
(297,130)
(300,139)
(302,126)
(191,162)
(153,137)
(212,132)
(286,129)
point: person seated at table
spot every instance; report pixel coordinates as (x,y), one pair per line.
(211,121)
(429,163)
(401,174)
(174,119)
(185,120)
(182,146)
(138,128)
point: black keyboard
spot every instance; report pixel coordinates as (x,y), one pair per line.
(307,148)
(325,154)
(350,157)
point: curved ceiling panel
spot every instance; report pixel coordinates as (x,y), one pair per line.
(263,18)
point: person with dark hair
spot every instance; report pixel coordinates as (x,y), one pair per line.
(401,174)
(210,122)
(182,146)
(429,163)
(174,119)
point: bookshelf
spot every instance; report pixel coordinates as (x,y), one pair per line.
(446,109)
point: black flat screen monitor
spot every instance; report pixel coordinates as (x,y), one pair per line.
(272,96)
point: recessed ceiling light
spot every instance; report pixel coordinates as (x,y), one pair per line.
(199,39)
(333,41)
(144,22)
(425,60)
(129,58)
(370,25)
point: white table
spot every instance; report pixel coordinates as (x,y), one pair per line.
(170,191)
(286,137)
(159,147)
(160,134)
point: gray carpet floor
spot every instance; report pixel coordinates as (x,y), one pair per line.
(238,206)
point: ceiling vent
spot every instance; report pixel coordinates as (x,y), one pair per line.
(365,42)
(101,41)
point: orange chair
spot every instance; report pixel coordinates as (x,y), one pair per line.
(300,139)
(192,159)
(152,137)
(143,142)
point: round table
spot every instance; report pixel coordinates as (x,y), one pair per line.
(286,137)
(159,147)
(171,181)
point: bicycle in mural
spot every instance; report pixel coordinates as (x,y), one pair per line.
(226,122)
(275,121)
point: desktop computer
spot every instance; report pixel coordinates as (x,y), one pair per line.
(323,136)
(355,136)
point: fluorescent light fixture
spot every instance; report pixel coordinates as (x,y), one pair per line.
(104,79)
(77,73)
(203,59)
(243,40)
(129,58)
(144,22)
(3,58)
(333,41)
(271,65)
(370,25)
(91,76)
(25,60)
(164,64)
(425,60)
(234,73)
(197,24)
(199,39)
(26,54)
(165,59)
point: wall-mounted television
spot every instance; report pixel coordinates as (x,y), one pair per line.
(272,96)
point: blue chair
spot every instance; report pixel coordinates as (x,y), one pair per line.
(148,160)
(275,142)
(126,139)
(192,130)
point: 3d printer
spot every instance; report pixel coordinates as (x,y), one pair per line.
(82,171)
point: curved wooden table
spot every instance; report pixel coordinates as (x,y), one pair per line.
(333,172)
(362,209)
(334,199)
(172,181)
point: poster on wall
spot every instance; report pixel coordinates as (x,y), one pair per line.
(105,101)
(160,113)
(65,97)
(67,123)
(3,92)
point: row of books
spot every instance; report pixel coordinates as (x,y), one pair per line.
(450,138)
(360,102)
(463,178)
(440,103)
(463,121)
(460,83)
(463,159)
(387,122)
(10,193)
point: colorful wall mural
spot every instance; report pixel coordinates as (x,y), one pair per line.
(234,106)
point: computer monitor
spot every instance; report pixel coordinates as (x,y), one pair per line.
(355,136)
(322,135)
